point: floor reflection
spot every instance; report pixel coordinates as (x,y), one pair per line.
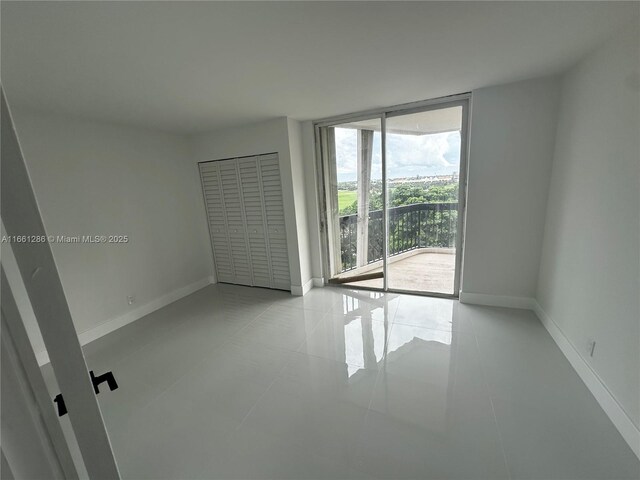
(369,340)
(345,384)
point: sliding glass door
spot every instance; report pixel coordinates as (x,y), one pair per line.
(423,172)
(393,191)
(353,187)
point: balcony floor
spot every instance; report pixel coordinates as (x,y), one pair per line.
(423,272)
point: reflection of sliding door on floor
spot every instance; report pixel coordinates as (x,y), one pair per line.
(412,163)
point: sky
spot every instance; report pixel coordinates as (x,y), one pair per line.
(407,155)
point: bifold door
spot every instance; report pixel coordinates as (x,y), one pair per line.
(243,200)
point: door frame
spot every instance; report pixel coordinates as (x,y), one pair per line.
(21,218)
(463,100)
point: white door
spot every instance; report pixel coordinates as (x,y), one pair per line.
(21,218)
(236,223)
(217,218)
(243,198)
(274,212)
(252,198)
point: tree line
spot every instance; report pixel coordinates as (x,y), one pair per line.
(407,194)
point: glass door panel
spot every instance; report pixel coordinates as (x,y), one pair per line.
(423,157)
(353,188)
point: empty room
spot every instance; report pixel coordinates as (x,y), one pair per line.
(320,240)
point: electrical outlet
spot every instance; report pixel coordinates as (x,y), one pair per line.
(591,346)
(131,299)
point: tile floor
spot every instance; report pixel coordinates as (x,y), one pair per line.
(240,383)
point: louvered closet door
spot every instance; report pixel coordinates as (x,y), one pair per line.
(256,224)
(211,186)
(232,199)
(274,215)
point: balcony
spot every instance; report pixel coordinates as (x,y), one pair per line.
(422,240)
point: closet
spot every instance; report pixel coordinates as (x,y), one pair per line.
(243,200)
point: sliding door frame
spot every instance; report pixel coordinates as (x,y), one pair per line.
(462,100)
(326,227)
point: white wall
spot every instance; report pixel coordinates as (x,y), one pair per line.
(93,178)
(313,209)
(589,274)
(298,176)
(268,137)
(511,142)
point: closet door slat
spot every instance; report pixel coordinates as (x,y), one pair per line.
(274,220)
(217,220)
(255,221)
(232,200)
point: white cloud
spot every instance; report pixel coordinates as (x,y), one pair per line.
(407,155)
(346,159)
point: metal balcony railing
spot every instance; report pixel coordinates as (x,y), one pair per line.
(420,225)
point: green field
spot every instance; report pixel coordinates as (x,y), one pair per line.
(346,198)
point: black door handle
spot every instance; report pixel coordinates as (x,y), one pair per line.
(105,377)
(96,381)
(62,408)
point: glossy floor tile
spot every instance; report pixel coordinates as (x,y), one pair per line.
(243,383)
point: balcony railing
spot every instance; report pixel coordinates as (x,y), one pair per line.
(421,225)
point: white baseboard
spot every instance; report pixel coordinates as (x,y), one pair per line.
(307,286)
(497,300)
(301,290)
(318,282)
(592,380)
(131,316)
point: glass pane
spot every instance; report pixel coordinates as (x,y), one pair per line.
(353,160)
(423,171)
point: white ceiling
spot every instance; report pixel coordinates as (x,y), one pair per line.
(195,66)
